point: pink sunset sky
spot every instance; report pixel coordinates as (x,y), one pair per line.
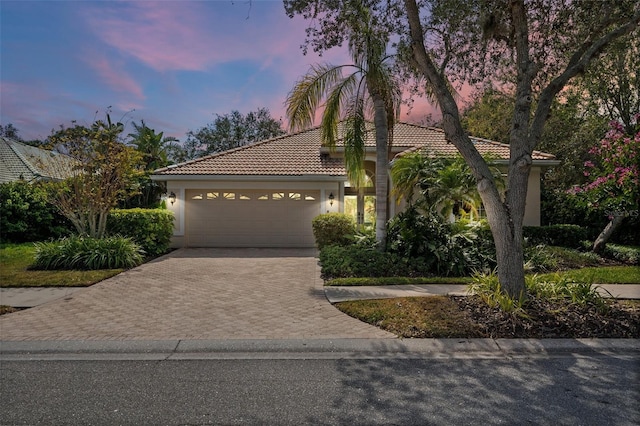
(173,64)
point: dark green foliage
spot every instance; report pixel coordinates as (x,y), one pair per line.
(569,236)
(361,261)
(333,229)
(88,253)
(625,254)
(26,215)
(559,207)
(447,249)
(150,228)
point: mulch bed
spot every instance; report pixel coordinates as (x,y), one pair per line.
(546,319)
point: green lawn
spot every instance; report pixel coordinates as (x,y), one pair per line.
(16,258)
(603,274)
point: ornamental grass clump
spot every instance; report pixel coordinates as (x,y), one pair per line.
(88,253)
(554,289)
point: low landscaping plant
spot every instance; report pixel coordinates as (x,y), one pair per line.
(447,249)
(363,261)
(549,288)
(150,228)
(625,254)
(87,253)
(333,229)
(487,287)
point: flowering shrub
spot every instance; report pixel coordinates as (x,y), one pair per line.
(614,172)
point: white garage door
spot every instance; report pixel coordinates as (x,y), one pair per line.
(250,218)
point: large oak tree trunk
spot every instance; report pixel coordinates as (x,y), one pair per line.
(504,217)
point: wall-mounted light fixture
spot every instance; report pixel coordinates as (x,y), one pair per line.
(331,198)
(172,197)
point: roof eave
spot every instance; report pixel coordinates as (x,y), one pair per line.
(535,162)
(262,178)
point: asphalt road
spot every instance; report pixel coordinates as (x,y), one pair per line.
(319,389)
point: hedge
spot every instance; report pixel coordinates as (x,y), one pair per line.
(150,228)
(569,236)
(26,215)
(333,229)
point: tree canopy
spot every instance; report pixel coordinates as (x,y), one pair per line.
(538,47)
(230,131)
(103,171)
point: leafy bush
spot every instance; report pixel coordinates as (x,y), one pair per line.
(150,228)
(88,253)
(555,235)
(625,254)
(26,215)
(447,249)
(333,229)
(361,261)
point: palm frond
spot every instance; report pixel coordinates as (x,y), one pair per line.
(354,143)
(337,99)
(308,92)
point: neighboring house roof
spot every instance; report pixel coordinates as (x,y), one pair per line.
(19,161)
(302,154)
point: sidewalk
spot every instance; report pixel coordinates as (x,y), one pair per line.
(343,294)
(34,296)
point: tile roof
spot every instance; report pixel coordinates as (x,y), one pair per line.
(300,154)
(19,161)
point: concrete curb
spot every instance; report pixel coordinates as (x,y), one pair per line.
(305,348)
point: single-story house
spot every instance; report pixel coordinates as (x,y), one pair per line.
(19,161)
(267,193)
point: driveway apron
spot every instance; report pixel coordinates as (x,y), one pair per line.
(197,294)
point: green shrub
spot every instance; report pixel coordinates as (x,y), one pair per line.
(625,254)
(447,249)
(26,215)
(88,253)
(361,261)
(333,229)
(150,228)
(555,235)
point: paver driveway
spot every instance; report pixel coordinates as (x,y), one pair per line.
(197,294)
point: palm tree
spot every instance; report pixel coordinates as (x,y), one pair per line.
(445,184)
(154,148)
(453,189)
(369,90)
